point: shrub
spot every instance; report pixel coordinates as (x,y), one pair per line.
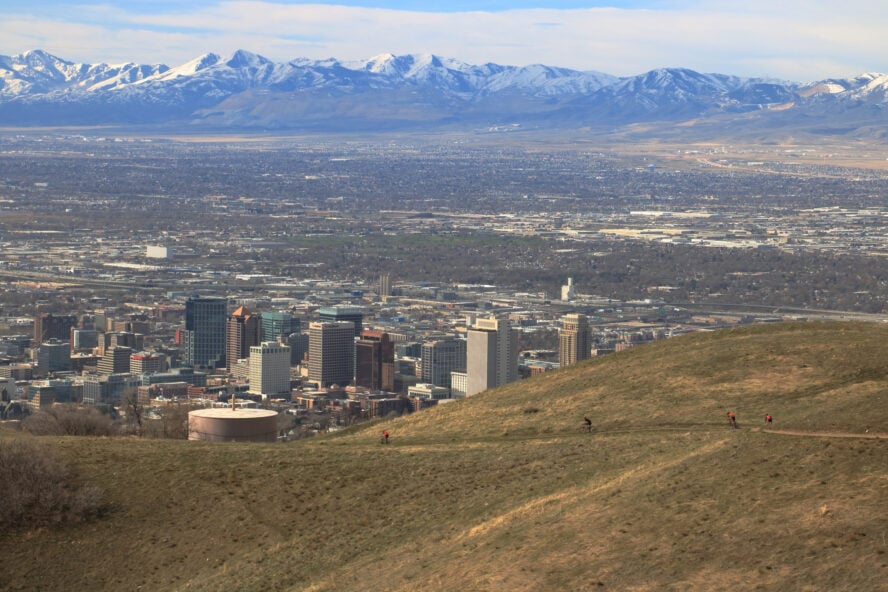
(69,420)
(37,489)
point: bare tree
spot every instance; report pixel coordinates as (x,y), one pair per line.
(174,421)
(69,420)
(134,410)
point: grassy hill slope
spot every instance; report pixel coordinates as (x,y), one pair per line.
(504,492)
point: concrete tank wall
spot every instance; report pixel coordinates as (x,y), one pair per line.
(226,425)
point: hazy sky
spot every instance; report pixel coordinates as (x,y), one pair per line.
(788,39)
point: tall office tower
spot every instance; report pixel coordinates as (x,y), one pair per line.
(100,320)
(385,286)
(270,369)
(567,291)
(331,353)
(298,343)
(575,339)
(241,333)
(440,358)
(275,324)
(54,355)
(334,314)
(375,361)
(203,340)
(47,326)
(492,352)
(115,361)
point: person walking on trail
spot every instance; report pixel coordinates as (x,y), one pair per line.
(587,424)
(769,420)
(732,419)
(385,437)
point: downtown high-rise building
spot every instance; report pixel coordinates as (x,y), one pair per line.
(385,286)
(278,324)
(111,339)
(492,355)
(269,372)
(575,339)
(146,363)
(84,339)
(298,343)
(241,333)
(375,361)
(48,326)
(440,358)
(336,314)
(203,340)
(116,360)
(331,353)
(54,355)
(568,293)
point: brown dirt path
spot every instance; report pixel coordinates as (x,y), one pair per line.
(873,435)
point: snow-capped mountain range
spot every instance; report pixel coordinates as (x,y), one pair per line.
(387,92)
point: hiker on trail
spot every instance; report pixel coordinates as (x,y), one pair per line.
(587,424)
(732,419)
(385,437)
(768,419)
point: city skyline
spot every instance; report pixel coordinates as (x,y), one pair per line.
(789,41)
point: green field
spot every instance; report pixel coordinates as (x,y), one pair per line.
(504,491)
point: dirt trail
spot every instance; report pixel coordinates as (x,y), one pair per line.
(874,435)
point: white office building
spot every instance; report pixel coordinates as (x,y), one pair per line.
(492,352)
(270,369)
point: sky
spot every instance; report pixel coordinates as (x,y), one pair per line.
(798,40)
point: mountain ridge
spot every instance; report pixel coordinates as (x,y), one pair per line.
(248,91)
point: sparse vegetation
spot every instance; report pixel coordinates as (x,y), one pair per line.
(479,495)
(38,489)
(69,420)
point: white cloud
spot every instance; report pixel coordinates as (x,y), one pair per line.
(790,39)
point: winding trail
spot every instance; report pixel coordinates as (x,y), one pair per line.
(873,435)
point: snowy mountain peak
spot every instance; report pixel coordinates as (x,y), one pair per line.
(38,56)
(245,59)
(188,69)
(199,63)
(876,90)
(870,86)
(383,63)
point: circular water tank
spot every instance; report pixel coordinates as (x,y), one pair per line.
(227,425)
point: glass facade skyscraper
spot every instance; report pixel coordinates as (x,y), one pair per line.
(275,324)
(204,337)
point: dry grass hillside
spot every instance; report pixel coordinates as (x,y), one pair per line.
(505,492)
